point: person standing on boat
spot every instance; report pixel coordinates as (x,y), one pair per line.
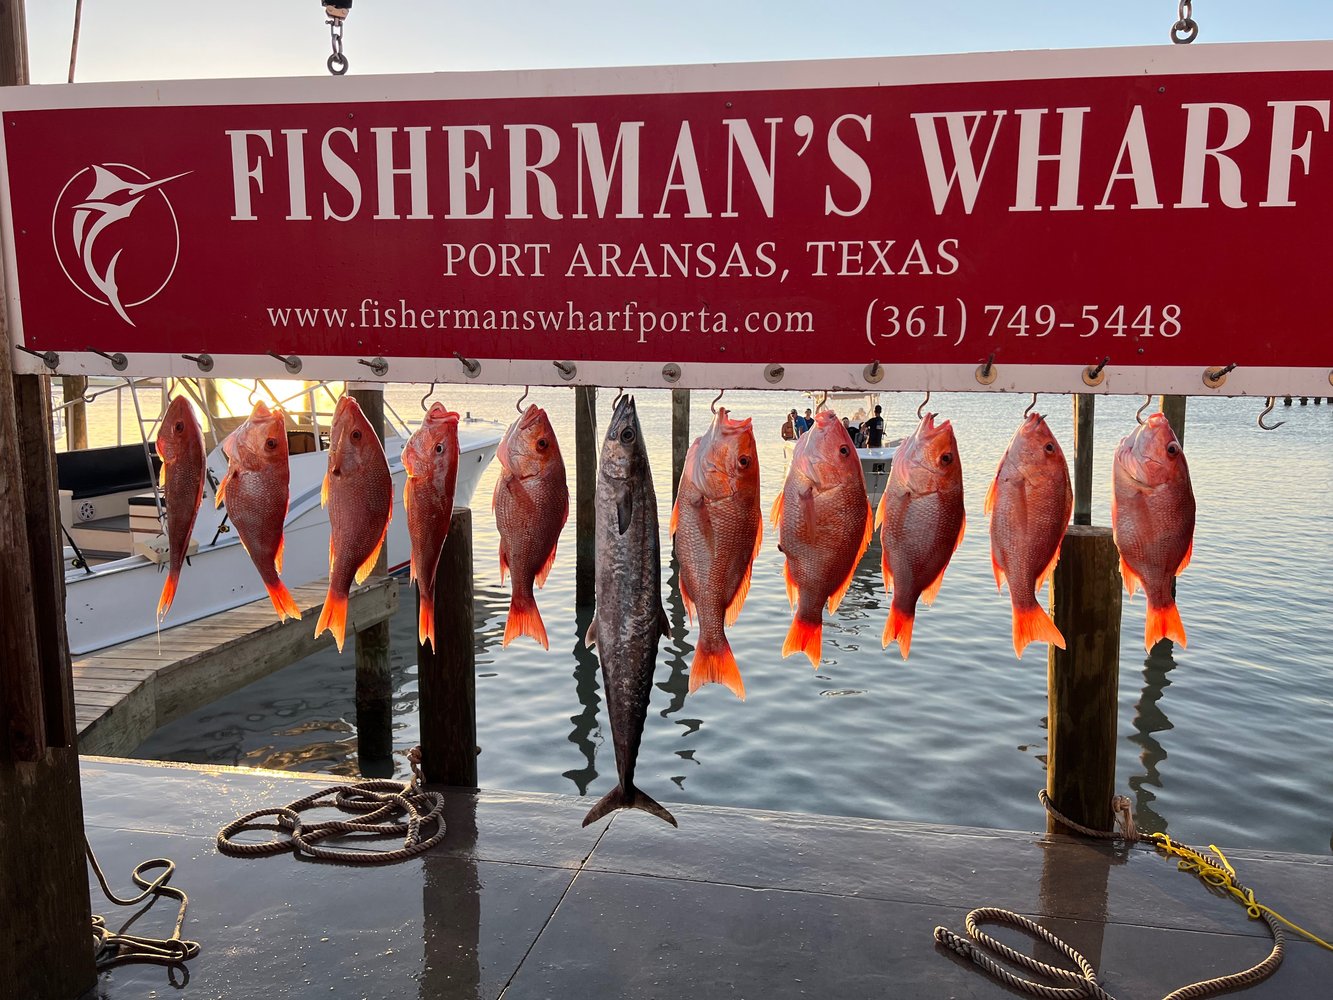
(874,429)
(789,428)
(804,423)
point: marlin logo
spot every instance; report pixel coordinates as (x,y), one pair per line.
(114,198)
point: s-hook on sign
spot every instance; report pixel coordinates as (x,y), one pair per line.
(1120,220)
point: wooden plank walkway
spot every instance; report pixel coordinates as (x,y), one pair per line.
(124,692)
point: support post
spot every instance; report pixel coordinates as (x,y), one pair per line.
(374,685)
(76,414)
(43,881)
(1174,408)
(1083,679)
(585,494)
(680,436)
(1085,410)
(446,675)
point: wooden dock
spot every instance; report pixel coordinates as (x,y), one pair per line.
(521,901)
(124,692)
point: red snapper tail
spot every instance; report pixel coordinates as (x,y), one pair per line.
(1163,623)
(899,627)
(715,663)
(1034,625)
(524,619)
(333,617)
(283,602)
(805,637)
(168,593)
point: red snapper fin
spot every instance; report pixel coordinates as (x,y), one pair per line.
(524,619)
(1163,623)
(368,567)
(899,628)
(804,637)
(1189,554)
(283,602)
(168,594)
(545,571)
(716,665)
(333,618)
(1034,625)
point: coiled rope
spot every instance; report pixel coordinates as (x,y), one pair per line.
(114,949)
(1212,868)
(379,803)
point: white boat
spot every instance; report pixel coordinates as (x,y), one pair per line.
(113,573)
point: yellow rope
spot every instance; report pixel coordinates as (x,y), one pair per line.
(1218,873)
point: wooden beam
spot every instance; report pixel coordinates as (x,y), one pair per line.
(43,880)
(374,679)
(1083,679)
(1085,409)
(446,675)
(1174,408)
(680,436)
(76,413)
(585,493)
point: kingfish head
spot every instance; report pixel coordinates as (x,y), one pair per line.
(623,453)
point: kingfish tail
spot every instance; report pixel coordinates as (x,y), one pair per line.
(426,618)
(1163,623)
(524,619)
(899,627)
(168,593)
(283,602)
(1034,625)
(333,617)
(631,798)
(715,663)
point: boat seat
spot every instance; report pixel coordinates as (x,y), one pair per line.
(95,472)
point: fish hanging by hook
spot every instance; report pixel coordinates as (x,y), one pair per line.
(713,405)
(429,393)
(1031,406)
(519,405)
(923,405)
(1138,414)
(1272,401)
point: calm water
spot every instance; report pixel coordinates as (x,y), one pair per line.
(1228,741)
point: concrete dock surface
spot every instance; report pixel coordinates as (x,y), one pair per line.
(519,901)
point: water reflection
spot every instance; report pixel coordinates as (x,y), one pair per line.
(586,690)
(679,650)
(451,909)
(1149,719)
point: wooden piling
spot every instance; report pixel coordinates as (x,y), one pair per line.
(1174,408)
(446,675)
(585,492)
(1085,409)
(43,880)
(374,683)
(76,413)
(1083,679)
(680,436)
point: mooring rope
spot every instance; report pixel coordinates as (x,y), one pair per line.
(378,802)
(114,949)
(1212,868)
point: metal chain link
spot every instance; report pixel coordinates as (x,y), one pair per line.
(337,63)
(1186,29)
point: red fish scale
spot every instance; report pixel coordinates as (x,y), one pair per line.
(1027,525)
(1153,531)
(822,551)
(529,513)
(256,500)
(359,508)
(919,531)
(712,568)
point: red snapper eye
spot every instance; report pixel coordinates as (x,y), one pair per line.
(947,457)
(542,443)
(1171,449)
(180,426)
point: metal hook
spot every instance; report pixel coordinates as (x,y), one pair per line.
(823,402)
(519,405)
(923,404)
(713,405)
(619,393)
(1272,401)
(251,398)
(429,393)
(1138,414)
(1031,406)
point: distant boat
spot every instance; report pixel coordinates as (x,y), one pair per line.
(115,546)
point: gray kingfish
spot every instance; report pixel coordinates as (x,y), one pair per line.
(629,618)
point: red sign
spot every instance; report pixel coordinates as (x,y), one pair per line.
(889,223)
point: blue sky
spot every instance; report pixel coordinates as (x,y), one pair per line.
(168,39)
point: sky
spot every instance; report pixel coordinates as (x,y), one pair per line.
(168,39)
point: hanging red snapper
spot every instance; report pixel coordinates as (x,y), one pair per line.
(358,492)
(180,445)
(1029,502)
(531,504)
(255,490)
(1152,517)
(824,527)
(921,523)
(718,527)
(431,460)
